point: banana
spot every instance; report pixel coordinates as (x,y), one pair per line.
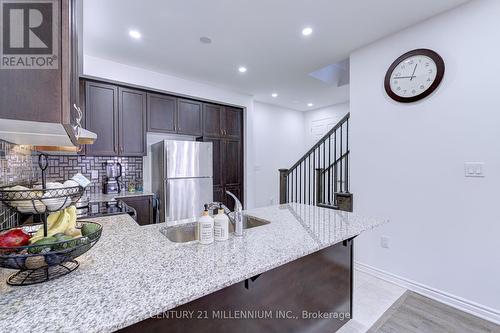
(51,219)
(72,230)
(60,226)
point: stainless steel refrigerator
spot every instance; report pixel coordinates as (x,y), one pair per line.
(181,177)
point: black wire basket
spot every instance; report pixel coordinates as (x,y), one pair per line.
(39,199)
(40,263)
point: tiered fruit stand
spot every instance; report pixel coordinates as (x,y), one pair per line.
(38,263)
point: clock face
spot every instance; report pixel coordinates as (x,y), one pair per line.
(414,75)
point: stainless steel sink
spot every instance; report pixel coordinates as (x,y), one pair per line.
(189,232)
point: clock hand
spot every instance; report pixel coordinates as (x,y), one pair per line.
(403,77)
(412,74)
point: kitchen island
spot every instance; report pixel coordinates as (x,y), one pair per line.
(135,273)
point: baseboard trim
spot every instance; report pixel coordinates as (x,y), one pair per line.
(473,308)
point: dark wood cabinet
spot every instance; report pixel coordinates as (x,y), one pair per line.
(212,120)
(132,122)
(118,117)
(231,159)
(223,126)
(222,121)
(232,122)
(162,113)
(143,206)
(101,117)
(219,194)
(45,95)
(227,169)
(121,117)
(168,114)
(189,117)
(319,283)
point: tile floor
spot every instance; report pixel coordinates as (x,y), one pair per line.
(372,297)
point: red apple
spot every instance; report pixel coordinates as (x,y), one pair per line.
(14,238)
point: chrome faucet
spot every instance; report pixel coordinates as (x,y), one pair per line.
(236,217)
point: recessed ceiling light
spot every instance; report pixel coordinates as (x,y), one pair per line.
(274,95)
(134,34)
(310,104)
(242,69)
(205,40)
(307,31)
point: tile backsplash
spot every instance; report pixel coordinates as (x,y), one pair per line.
(64,167)
(19,165)
(16,167)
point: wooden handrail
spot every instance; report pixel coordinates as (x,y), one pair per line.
(344,155)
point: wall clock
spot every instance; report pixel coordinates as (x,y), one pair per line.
(414,75)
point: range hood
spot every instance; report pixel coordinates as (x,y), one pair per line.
(49,137)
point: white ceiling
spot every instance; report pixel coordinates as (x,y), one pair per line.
(263,35)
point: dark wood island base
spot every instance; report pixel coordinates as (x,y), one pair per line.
(311,294)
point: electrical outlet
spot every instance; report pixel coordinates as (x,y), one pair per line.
(384,242)
(94,174)
(474,169)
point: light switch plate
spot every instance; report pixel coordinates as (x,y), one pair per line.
(474,169)
(94,174)
(384,242)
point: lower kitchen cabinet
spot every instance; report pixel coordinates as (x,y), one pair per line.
(319,283)
(143,206)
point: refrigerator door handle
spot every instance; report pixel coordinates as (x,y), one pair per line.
(167,201)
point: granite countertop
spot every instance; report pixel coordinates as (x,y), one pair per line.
(135,272)
(99,197)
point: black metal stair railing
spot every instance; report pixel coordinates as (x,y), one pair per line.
(321,176)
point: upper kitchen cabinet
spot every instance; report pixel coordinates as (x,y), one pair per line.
(132,122)
(118,116)
(40,83)
(212,120)
(189,117)
(162,113)
(222,121)
(101,117)
(232,119)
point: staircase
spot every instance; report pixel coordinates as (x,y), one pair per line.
(321,176)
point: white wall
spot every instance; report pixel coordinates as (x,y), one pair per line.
(279,142)
(320,121)
(408,160)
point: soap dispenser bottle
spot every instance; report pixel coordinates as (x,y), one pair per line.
(221,225)
(206,227)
